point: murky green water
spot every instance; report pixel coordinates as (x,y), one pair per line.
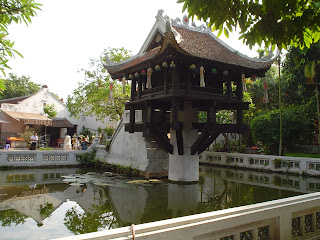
(51,203)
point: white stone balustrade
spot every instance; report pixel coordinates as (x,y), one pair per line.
(291,218)
(310,166)
(38,158)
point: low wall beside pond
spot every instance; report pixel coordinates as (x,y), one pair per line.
(297,165)
(38,158)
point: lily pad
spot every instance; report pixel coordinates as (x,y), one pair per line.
(138,181)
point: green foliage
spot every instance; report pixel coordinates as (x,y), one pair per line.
(46,211)
(298,126)
(26,136)
(10,216)
(18,12)
(217,147)
(109,131)
(18,86)
(50,110)
(255,91)
(88,159)
(108,144)
(45,149)
(277,23)
(99,217)
(277,163)
(298,86)
(86,132)
(92,97)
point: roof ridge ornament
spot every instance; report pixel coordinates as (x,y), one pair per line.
(108,61)
(168,25)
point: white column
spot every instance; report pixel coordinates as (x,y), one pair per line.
(184,168)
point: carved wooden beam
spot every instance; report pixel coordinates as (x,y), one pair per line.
(203,136)
(162,140)
(214,134)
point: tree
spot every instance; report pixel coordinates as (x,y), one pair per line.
(18,86)
(13,11)
(50,110)
(281,23)
(92,98)
(302,67)
(298,126)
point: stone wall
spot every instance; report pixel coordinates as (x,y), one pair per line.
(132,150)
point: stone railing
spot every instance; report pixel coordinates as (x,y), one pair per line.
(310,166)
(290,218)
(38,158)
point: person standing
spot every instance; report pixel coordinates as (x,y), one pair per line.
(7,144)
(84,144)
(34,140)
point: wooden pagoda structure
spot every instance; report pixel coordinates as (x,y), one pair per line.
(180,72)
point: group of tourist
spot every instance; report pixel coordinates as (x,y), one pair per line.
(79,143)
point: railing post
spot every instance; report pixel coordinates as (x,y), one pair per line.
(284,226)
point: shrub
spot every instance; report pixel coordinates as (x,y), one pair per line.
(296,127)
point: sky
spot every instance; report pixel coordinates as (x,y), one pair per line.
(67,33)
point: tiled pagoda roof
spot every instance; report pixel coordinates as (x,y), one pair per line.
(202,44)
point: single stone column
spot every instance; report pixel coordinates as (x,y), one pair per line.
(184,168)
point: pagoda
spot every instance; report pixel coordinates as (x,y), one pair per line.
(183,69)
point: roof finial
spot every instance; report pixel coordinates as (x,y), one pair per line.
(109,62)
(185,20)
(160,12)
(168,25)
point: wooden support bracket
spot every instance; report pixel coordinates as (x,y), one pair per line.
(162,140)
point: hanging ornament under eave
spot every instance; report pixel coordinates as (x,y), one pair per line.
(172,64)
(111,93)
(143,72)
(214,71)
(124,85)
(265,92)
(165,64)
(202,83)
(130,76)
(157,68)
(225,73)
(149,73)
(253,77)
(136,75)
(243,81)
(192,67)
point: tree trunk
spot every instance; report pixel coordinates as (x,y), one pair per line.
(318,113)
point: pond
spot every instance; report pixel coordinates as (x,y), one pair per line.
(52,203)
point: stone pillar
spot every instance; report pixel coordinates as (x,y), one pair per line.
(184,168)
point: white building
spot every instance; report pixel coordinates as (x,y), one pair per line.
(26,113)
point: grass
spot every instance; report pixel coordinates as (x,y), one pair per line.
(308,155)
